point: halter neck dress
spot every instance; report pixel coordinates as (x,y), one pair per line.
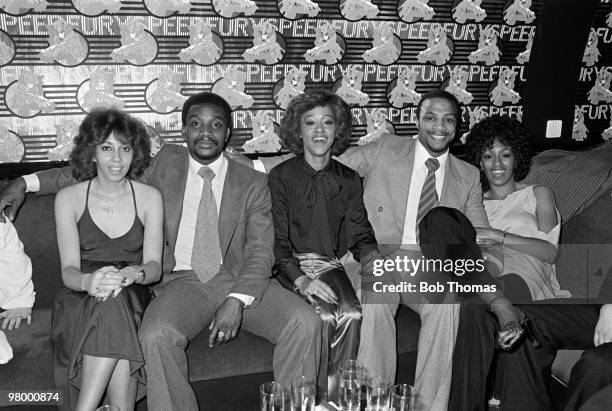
(82,325)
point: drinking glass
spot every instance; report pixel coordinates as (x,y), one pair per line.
(352,370)
(302,394)
(402,398)
(272,396)
(349,393)
(377,394)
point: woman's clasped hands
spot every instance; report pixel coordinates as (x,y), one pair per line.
(106,282)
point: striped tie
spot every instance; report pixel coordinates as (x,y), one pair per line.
(206,251)
(429,195)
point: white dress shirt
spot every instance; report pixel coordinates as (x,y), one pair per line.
(419,172)
(191,203)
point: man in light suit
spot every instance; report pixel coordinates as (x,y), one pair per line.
(394,172)
(239,293)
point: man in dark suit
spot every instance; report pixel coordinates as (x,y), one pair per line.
(216,265)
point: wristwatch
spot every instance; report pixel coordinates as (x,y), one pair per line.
(142,275)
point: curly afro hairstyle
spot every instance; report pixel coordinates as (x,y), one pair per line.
(290,124)
(95,129)
(508,131)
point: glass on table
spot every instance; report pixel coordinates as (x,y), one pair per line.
(302,394)
(352,376)
(402,398)
(377,394)
(273,396)
(349,394)
(354,369)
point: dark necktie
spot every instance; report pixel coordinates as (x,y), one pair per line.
(429,195)
(206,251)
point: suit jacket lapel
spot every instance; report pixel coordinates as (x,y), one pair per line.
(174,181)
(231,205)
(453,185)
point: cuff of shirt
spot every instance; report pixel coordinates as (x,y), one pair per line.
(246,299)
(259,165)
(32,183)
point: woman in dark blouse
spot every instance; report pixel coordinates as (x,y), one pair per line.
(319,215)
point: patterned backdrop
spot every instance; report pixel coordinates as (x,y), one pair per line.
(593,110)
(59,59)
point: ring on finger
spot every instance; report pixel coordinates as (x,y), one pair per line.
(221,334)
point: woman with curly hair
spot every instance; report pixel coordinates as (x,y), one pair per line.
(524,219)
(319,214)
(525,223)
(109,232)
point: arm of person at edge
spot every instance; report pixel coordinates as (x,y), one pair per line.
(254,276)
(20,295)
(546,215)
(11,318)
(603,329)
(286,266)
(12,197)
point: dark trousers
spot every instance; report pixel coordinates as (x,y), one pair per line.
(527,370)
(447,234)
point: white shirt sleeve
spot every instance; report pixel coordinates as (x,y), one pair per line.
(32,183)
(16,288)
(246,299)
(6,352)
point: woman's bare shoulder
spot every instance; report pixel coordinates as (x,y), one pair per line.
(146,193)
(73,192)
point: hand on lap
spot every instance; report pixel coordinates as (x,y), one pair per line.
(226,322)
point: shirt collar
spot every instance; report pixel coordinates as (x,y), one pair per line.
(421,154)
(311,171)
(216,166)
